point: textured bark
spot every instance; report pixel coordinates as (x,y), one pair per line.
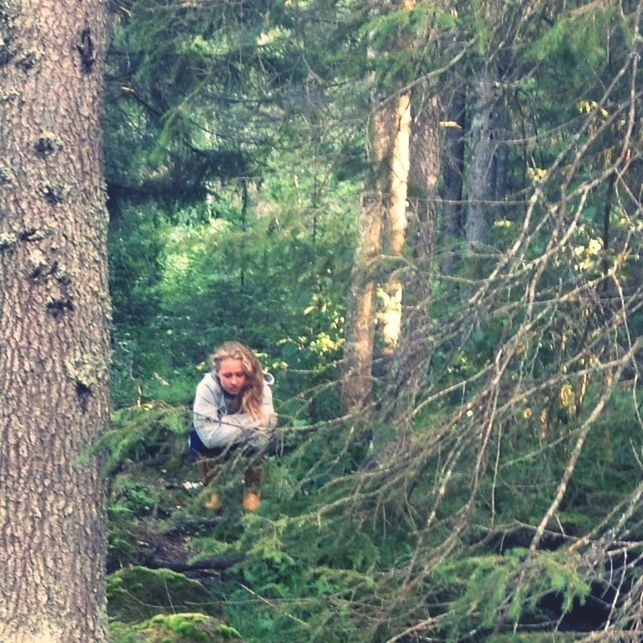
(413,352)
(54,316)
(391,315)
(384,200)
(500,133)
(454,163)
(360,318)
(397,222)
(481,171)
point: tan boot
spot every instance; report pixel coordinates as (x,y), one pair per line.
(252,480)
(252,501)
(213,502)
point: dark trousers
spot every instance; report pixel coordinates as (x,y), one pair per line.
(208,469)
(209,460)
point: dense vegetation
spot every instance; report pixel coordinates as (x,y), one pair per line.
(488,486)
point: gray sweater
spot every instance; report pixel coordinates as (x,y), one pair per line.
(217,423)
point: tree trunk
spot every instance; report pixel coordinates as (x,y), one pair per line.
(500,134)
(453,172)
(360,317)
(481,179)
(413,353)
(384,200)
(454,164)
(54,316)
(391,314)
(396,215)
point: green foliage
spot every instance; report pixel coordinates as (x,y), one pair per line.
(400,44)
(186,84)
(236,158)
(270,280)
(487,581)
(142,432)
(269,267)
(303,595)
(576,40)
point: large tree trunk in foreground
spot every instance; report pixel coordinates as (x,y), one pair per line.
(54,315)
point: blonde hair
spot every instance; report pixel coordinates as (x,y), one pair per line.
(252,394)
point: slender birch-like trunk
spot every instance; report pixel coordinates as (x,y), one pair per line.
(397,221)
(360,320)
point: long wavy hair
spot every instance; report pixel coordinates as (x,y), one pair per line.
(252,393)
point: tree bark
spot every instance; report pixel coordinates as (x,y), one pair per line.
(384,200)
(481,159)
(360,317)
(413,352)
(454,163)
(500,133)
(452,229)
(54,317)
(391,315)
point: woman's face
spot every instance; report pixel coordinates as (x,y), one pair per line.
(232,376)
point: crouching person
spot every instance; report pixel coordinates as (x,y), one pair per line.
(233,414)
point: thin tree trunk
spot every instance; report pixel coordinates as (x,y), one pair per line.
(54,316)
(413,353)
(243,250)
(360,318)
(453,172)
(481,159)
(606,222)
(392,311)
(454,164)
(501,131)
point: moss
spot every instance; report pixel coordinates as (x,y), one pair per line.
(8,96)
(27,62)
(47,144)
(7,239)
(88,369)
(7,50)
(37,264)
(51,194)
(187,627)
(8,10)
(137,593)
(6,54)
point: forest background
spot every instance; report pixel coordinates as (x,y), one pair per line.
(426,219)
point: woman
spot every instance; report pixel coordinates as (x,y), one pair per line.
(232,408)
